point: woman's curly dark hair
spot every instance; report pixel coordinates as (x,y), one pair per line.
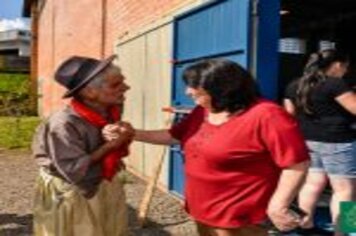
(230,86)
(314,74)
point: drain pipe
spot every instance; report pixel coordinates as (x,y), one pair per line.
(254,38)
(103,28)
(34,57)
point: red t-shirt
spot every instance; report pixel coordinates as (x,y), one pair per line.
(232,169)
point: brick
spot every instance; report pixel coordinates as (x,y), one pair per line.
(69,27)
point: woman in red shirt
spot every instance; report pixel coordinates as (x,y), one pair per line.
(244,156)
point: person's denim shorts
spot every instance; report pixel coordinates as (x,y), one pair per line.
(336,159)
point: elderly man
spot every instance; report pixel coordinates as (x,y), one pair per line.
(77,191)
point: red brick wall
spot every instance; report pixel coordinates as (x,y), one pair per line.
(87,27)
(129,15)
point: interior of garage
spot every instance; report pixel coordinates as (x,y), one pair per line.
(308,26)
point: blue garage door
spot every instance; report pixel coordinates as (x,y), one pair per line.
(223,29)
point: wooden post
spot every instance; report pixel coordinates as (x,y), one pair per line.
(147,196)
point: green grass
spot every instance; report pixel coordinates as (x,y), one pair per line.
(12,82)
(17,132)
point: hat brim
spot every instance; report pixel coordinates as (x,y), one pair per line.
(100,67)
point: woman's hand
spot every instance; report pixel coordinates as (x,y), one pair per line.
(288,186)
(282,217)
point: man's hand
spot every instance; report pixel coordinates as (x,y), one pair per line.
(110,132)
(119,130)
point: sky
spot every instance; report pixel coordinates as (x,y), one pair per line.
(11,15)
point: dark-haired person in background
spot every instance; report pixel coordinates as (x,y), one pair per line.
(325,107)
(244,156)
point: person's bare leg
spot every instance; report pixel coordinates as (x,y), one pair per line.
(309,194)
(343,190)
(242,231)
(203,229)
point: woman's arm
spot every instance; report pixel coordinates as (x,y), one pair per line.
(288,186)
(289,106)
(155,137)
(163,137)
(348,101)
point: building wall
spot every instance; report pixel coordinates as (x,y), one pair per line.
(145,56)
(64,30)
(90,28)
(127,17)
(145,62)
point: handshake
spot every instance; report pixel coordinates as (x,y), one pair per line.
(120,132)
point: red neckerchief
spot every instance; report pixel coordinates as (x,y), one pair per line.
(112,161)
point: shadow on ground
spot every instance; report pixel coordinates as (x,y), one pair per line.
(14,224)
(151,228)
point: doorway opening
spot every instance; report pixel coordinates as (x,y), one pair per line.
(309,26)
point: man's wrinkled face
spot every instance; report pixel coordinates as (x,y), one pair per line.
(113,90)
